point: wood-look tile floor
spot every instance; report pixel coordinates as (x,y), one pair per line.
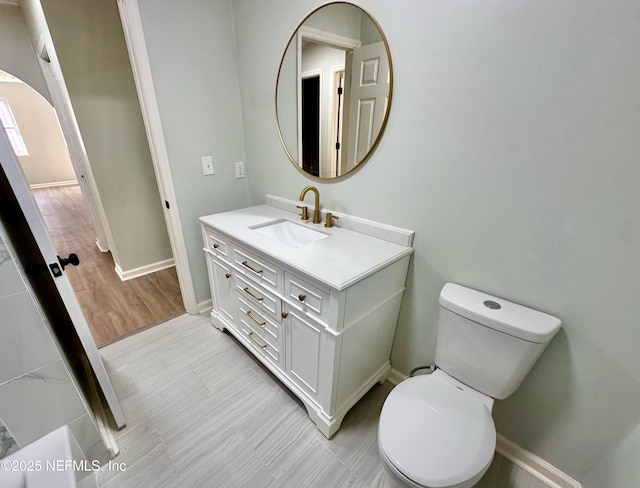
(113,308)
(202,412)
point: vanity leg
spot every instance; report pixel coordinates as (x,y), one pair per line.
(328,428)
(216,322)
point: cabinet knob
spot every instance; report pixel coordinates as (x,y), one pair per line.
(302,297)
(216,246)
(227,275)
(285,315)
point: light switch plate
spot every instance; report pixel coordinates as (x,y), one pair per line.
(207,165)
(240,169)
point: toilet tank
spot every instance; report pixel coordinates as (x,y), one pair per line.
(488,343)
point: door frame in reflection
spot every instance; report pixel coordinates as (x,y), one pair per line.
(310,84)
(333,165)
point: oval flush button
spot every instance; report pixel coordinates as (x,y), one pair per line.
(492,305)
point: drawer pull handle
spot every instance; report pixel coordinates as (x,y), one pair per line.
(263,346)
(302,297)
(227,275)
(258,271)
(216,246)
(262,324)
(246,290)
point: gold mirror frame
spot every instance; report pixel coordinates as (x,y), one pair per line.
(294,49)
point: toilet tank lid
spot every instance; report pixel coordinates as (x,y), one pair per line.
(498,314)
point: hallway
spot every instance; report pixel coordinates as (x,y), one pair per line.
(113,308)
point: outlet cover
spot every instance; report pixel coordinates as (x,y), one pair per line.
(207,165)
(240,169)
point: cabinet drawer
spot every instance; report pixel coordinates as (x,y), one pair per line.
(217,244)
(267,328)
(258,268)
(259,298)
(311,298)
(259,343)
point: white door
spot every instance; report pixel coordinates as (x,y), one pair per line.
(52,72)
(369,93)
(31,213)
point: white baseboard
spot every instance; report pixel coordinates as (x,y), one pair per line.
(143,270)
(529,462)
(52,184)
(396,376)
(205,307)
(102,249)
(534,465)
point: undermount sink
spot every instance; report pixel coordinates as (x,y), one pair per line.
(289,233)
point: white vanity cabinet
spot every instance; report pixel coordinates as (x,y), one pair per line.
(328,341)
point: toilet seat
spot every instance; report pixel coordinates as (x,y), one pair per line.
(437,432)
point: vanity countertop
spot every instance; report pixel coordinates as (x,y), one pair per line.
(337,261)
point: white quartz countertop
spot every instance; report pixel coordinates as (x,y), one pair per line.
(338,261)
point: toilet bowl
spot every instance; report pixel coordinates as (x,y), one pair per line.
(436,432)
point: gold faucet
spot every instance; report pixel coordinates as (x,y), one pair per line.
(316,211)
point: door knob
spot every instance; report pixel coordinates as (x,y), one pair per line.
(72,259)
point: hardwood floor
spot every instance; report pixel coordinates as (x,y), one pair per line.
(113,308)
(202,412)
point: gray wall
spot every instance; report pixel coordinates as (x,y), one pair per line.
(90,45)
(192,55)
(16,54)
(512,150)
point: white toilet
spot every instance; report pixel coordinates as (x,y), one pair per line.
(436,430)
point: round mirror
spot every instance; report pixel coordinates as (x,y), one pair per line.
(333,93)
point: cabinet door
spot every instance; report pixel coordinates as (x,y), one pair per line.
(224,300)
(304,352)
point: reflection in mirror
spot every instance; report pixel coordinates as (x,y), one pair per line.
(334,90)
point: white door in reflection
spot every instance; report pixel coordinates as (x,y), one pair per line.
(368,99)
